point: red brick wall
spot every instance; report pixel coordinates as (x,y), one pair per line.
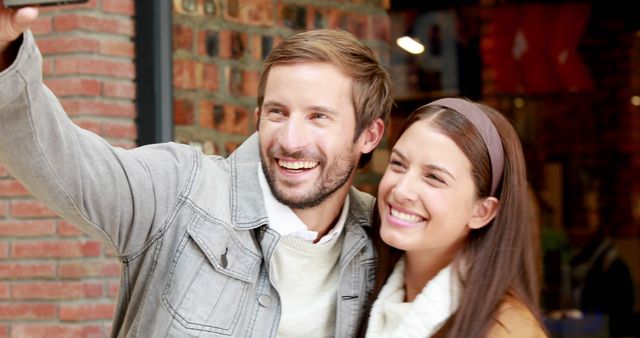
(54,280)
(218,49)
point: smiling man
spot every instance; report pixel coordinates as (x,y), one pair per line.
(269,242)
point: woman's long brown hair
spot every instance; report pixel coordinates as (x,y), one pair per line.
(500,256)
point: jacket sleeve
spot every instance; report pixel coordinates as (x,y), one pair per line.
(123,196)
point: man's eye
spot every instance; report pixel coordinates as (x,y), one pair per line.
(318,116)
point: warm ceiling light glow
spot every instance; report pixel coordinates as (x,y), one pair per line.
(410,45)
(635,100)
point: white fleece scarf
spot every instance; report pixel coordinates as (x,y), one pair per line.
(391,317)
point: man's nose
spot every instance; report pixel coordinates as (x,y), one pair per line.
(294,134)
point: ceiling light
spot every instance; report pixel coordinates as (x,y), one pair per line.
(410,45)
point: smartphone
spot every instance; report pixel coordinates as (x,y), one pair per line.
(23,3)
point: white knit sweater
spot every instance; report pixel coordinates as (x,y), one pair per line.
(306,277)
(392,317)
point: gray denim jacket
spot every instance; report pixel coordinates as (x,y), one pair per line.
(190,230)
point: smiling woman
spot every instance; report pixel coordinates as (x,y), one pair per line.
(456,258)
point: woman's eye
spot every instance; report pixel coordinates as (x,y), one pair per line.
(434,177)
(395,163)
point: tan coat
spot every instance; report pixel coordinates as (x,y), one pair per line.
(514,320)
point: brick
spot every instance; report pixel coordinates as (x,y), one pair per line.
(26,228)
(184,74)
(71,22)
(257,12)
(224,44)
(127,130)
(206,114)
(182,37)
(4,250)
(57,249)
(113,288)
(119,89)
(56,290)
(117,48)
(84,312)
(74,86)
(234,76)
(66,44)
(21,311)
(93,107)
(38,330)
(210,80)
(30,209)
(3,208)
(4,331)
(255,47)
(47,67)
(334,18)
(125,7)
(12,188)
(86,268)
(27,270)
(89,66)
(43,25)
(183,113)
(3,171)
(250,83)
(235,121)
(93,126)
(232,12)
(5,291)
(230,147)
(67,229)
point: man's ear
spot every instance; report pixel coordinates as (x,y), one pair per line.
(371,136)
(256,112)
(484,211)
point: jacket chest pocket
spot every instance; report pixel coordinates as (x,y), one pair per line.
(210,279)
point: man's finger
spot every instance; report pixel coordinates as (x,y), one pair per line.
(15,22)
(23,18)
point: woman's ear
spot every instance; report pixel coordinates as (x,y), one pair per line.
(483,212)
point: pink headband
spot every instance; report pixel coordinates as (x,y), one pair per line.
(486,129)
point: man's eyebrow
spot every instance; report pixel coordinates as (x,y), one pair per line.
(272,104)
(323,110)
(425,167)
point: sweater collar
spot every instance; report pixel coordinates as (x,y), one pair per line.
(391,316)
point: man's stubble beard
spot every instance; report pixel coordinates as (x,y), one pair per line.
(330,180)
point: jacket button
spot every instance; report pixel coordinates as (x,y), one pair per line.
(264,300)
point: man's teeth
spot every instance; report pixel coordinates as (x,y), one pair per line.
(405,217)
(298,164)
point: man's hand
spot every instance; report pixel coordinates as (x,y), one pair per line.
(12,24)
